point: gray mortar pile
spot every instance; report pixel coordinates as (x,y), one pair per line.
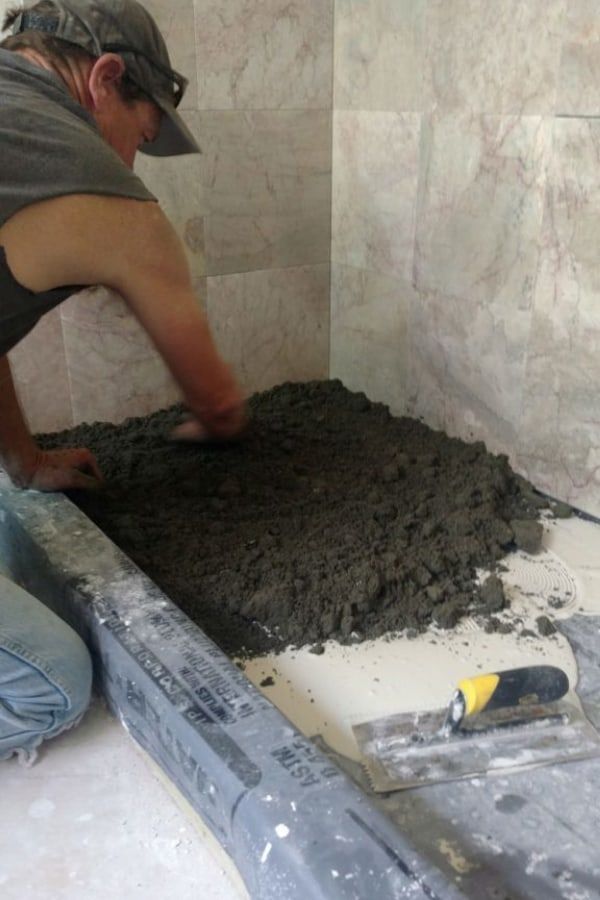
(330,519)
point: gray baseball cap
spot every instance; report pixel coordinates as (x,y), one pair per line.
(127,28)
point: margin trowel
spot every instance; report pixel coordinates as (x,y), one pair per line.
(494,722)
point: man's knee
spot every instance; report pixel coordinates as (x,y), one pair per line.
(79,677)
(35,686)
(68,668)
(45,671)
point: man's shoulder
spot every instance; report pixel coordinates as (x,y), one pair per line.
(51,146)
(77,238)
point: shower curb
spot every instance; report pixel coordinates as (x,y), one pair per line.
(294,824)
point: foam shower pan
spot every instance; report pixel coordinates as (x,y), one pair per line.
(283,808)
(292,822)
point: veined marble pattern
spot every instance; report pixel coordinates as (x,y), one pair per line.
(480,208)
(378,54)
(560,428)
(272,54)
(267,183)
(465,372)
(582,23)
(114,370)
(579,80)
(579,74)
(39,370)
(369,334)
(272,326)
(480,215)
(177,184)
(493,56)
(375,178)
(175,19)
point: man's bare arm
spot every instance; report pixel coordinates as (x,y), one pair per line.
(156,284)
(26,464)
(130,246)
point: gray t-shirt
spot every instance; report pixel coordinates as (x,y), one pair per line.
(49,147)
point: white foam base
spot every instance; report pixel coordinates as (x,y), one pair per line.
(349,684)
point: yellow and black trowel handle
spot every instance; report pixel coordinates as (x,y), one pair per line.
(513,687)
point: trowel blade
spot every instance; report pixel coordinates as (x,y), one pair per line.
(409,749)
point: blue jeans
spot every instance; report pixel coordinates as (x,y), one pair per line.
(45,673)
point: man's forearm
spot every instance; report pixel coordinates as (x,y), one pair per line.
(187,347)
(17,447)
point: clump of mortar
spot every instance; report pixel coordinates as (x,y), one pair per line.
(332,519)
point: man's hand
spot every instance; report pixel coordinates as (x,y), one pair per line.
(59,470)
(27,465)
(225,425)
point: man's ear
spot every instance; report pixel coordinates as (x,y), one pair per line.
(104,77)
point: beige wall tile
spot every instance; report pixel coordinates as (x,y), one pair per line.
(579,79)
(276,54)
(375,178)
(479,221)
(177,184)
(559,446)
(378,54)
(581,22)
(579,73)
(40,373)
(465,370)
(480,207)
(493,57)
(369,334)
(114,370)
(272,326)
(267,188)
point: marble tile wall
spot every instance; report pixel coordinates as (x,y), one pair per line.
(451,184)
(482,185)
(559,439)
(253,211)
(264,54)
(114,371)
(39,368)
(466,209)
(274,323)
(375,180)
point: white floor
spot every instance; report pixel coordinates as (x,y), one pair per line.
(91,821)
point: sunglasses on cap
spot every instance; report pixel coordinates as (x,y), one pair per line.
(179,82)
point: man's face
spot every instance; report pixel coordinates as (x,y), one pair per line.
(126,125)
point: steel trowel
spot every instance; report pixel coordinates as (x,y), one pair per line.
(517,718)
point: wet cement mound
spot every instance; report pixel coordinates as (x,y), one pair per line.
(331,519)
